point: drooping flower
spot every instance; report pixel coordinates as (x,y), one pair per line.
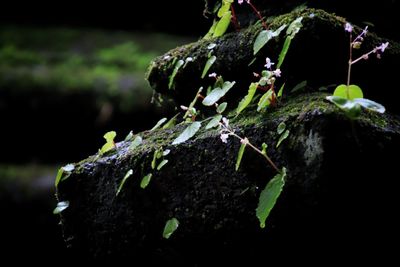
(241,2)
(268,63)
(225,121)
(348,27)
(212,75)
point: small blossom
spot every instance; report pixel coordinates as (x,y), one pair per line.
(312,15)
(277,72)
(268,63)
(255,74)
(382,47)
(184,107)
(189,59)
(212,75)
(348,27)
(224,138)
(225,121)
(241,2)
(365,56)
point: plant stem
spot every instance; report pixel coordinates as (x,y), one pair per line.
(258,15)
(349,68)
(365,56)
(258,151)
(193,103)
(234,19)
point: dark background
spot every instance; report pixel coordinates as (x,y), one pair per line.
(28,229)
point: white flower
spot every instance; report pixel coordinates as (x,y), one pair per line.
(214,75)
(383,46)
(224,138)
(277,72)
(348,27)
(268,63)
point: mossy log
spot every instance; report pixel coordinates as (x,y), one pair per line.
(339,190)
(318,55)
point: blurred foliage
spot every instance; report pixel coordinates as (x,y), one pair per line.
(111,63)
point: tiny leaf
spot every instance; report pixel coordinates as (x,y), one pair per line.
(214,122)
(264,36)
(282,137)
(351,108)
(247,99)
(216,94)
(370,105)
(269,196)
(353,91)
(284,51)
(208,65)
(129,136)
(222,24)
(171,122)
(109,142)
(294,27)
(240,155)
(166,152)
(146,180)
(221,107)
(281,127)
(265,100)
(135,143)
(264,148)
(188,133)
(157,154)
(121,185)
(226,5)
(280,92)
(210,32)
(178,65)
(170,227)
(162,163)
(158,124)
(60,207)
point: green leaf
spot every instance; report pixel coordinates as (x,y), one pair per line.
(109,142)
(264,148)
(226,5)
(294,27)
(121,185)
(222,24)
(129,136)
(67,169)
(178,65)
(158,124)
(216,94)
(135,143)
(281,127)
(264,36)
(214,122)
(265,100)
(284,51)
(282,138)
(171,122)
(146,180)
(280,92)
(188,133)
(247,99)
(299,86)
(221,107)
(351,108)
(269,196)
(208,65)
(61,206)
(240,155)
(211,31)
(170,227)
(353,91)
(162,164)
(157,154)
(370,105)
